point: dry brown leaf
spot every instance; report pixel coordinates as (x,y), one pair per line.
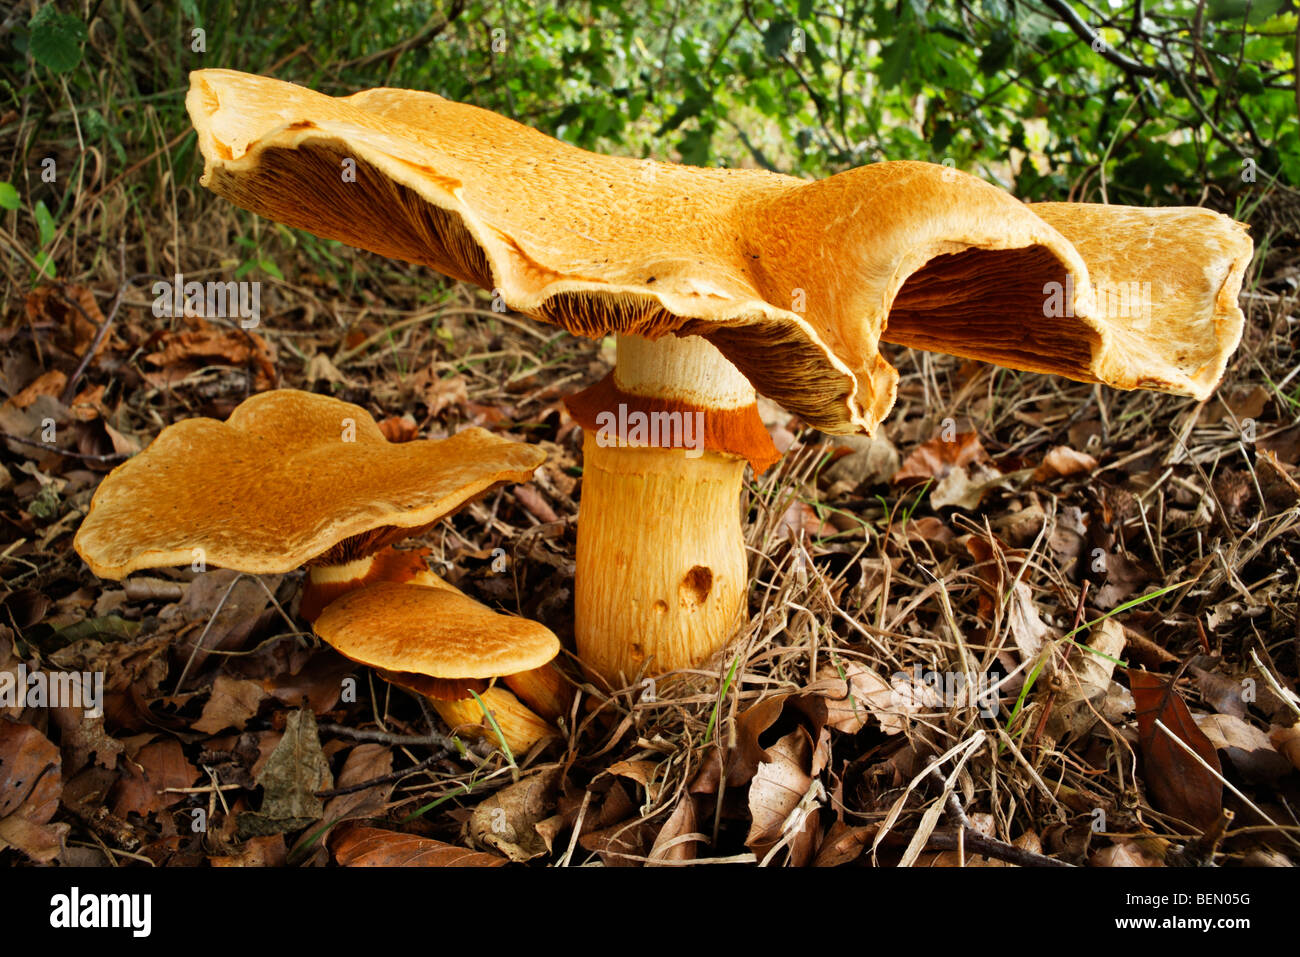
(800,522)
(1178,783)
(74,328)
(506,820)
(747,755)
(532,500)
(1223,693)
(1086,680)
(1125,854)
(1124,576)
(1287,741)
(1028,630)
(399,428)
(255,852)
(290,778)
(677,840)
(936,458)
(1247,747)
(365,762)
(844,844)
(357,846)
(157,765)
(438,393)
(642,772)
(622,845)
(848,703)
(231,704)
(1260,764)
(180,353)
(784,802)
(868,461)
(31,782)
(1063,461)
(49,383)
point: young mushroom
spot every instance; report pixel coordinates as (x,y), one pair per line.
(441,643)
(719,283)
(290,479)
(293,478)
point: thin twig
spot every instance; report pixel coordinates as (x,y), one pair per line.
(84,456)
(387,778)
(433,739)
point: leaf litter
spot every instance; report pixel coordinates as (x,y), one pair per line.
(940,579)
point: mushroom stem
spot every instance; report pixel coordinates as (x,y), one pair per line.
(520,727)
(325,583)
(661,573)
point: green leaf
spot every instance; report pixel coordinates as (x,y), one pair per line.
(695,145)
(8,196)
(44,265)
(895,59)
(56,39)
(776,38)
(693,105)
(1259,10)
(44,223)
(995,55)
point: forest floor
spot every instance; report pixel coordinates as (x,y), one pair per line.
(1031,622)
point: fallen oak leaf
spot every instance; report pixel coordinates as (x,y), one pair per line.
(355,845)
(1179,784)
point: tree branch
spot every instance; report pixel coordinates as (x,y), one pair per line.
(1091,37)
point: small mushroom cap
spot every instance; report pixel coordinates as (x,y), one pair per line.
(432,631)
(288,477)
(796,283)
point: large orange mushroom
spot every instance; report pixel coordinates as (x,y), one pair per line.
(719,283)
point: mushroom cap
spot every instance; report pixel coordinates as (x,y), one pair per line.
(287,478)
(438,632)
(795,282)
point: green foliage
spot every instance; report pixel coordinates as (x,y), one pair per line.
(1171,105)
(56,39)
